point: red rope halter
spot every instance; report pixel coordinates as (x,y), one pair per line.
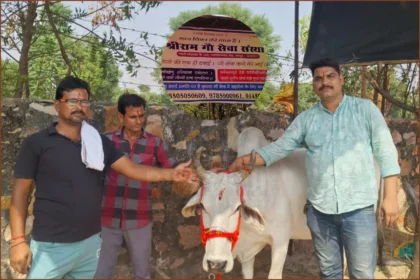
(207,233)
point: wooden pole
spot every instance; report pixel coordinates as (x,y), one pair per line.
(364,88)
(385,87)
(295,87)
(296,71)
(378,81)
(414,273)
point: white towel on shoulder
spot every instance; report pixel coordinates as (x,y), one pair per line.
(92,149)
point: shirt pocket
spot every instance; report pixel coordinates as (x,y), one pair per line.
(315,140)
(144,159)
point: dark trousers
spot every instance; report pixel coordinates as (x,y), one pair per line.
(139,243)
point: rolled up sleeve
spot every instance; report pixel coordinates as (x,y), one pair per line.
(287,143)
(383,146)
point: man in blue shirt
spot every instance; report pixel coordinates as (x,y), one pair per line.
(341,134)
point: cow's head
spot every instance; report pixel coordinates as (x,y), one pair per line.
(221,207)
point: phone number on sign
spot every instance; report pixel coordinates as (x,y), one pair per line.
(233,95)
(217,95)
(187,95)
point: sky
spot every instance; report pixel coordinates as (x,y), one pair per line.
(156,20)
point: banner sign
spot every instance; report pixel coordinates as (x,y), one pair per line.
(214,65)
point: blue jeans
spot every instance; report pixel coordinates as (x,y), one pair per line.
(355,231)
(65,260)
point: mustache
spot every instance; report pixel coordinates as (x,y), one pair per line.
(325,87)
(78,112)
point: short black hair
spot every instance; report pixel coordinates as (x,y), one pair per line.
(70,83)
(324,62)
(130,100)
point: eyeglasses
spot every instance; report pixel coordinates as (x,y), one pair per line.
(73,102)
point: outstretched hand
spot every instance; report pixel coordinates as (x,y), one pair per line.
(236,165)
(185,174)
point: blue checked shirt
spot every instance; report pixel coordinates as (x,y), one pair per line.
(339,158)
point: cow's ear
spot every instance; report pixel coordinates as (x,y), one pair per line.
(253,217)
(190,208)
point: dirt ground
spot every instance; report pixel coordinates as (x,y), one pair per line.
(305,265)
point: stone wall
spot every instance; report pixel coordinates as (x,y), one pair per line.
(177,251)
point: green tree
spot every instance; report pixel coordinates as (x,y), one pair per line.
(153,98)
(266,96)
(258,23)
(144,88)
(90,60)
(262,28)
(9,77)
(24,22)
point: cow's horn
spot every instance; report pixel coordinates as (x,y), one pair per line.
(246,172)
(201,172)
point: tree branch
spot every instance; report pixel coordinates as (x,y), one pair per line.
(39,22)
(3,49)
(388,96)
(26,44)
(20,8)
(91,31)
(8,16)
(84,27)
(408,87)
(101,8)
(38,55)
(15,45)
(60,43)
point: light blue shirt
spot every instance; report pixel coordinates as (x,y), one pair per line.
(339,158)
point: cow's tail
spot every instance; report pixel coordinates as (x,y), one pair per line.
(379,226)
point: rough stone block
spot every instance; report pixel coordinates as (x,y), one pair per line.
(158,218)
(406,167)
(410,138)
(396,136)
(158,206)
(183,134)
(154,126)
(177,263)
(189,236)
(162,247)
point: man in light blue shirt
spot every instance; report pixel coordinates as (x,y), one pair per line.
(342,135)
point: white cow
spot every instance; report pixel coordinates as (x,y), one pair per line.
(272,209)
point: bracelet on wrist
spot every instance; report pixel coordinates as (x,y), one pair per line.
(244,166)
(18,237)
(14,245)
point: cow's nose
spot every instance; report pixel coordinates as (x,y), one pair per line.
(218,266)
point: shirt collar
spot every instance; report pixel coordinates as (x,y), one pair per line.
(120,133)
(51,129)
(343,101)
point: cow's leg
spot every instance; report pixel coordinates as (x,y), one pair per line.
(248,269)
(278,257)
(279,250)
